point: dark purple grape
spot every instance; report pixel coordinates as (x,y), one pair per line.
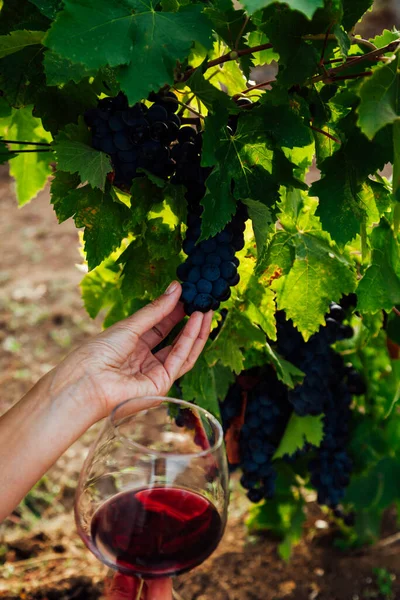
(213,259)
(203,302)
(189,292)
(107,144)
(156,113)
(210,272)
(159,131)
(204,286)
(122,141)
(226,251)
(116,123)
(208,246)
(194,274)
(220,288)
(228,270)
(186,134)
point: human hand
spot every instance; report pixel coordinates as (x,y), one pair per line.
(119,364)
(123,587)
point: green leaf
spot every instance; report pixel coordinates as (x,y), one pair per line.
(285,370)
(206,92)
(285,126)
(150,261)
(200,385)
(18,40)
(103,219)
(353,10)
(61,186)
(100,288)
(380,287)
(30,169)
(244,158)
(385,38)
(22,76)
(379,99)
(91,165)
(298,59)
(237,334)
(343,195)
(261,219)
(60,70)
(312,270)
(258,38)
(130,35)
(307,7)
(396,164)
(49,8)
(298,432)
(343,40)
(21,14)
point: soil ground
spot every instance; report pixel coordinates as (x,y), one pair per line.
(41,556)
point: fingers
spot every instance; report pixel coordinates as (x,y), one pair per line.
(183,345)
(199,344)
(159,589)
(147,317)
(159,331)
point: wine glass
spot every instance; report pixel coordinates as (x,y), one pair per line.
(152,496)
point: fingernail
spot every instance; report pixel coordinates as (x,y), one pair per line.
(171,288)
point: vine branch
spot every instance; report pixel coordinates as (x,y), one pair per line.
(326,134)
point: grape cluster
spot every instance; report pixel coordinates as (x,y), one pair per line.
(136,137)
(326,389)
(211,267)
(315,358)
(331,468)
(266,417)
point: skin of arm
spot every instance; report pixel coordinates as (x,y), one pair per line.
(116,365)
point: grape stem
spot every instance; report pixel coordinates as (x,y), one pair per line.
(19,151)
(396,311)
(257,86)
(328,135)
(26,143)
(231,55)
(330,75)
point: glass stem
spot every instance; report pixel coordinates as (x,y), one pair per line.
(176,596)
(140,589)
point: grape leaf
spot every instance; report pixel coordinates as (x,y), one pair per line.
(61,186)
(396,166)
(307,7)
(91,165)
(237,333)
(200,385)
(285,126)
(30,169)
(22,76)
(298,59)
(380,287)
(312,273)
(18,40)
(380,99)
(138,42)
(207,93)
(103,219)
(353,10)
(385,38)
(100,287)
(60,70)
(343,40)
(258,38)
(298,432)
(144,275)
(59,107)
(261,219)
(21,14)
(285,370)
(342,201)
(49,8)
(243,158)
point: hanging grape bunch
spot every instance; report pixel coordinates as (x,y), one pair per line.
(135,137)
(210,270)
(326,389)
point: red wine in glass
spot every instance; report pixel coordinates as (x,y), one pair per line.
(156,532)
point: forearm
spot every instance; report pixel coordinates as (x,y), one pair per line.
(34,434)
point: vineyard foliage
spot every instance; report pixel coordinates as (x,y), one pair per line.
(333,108)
